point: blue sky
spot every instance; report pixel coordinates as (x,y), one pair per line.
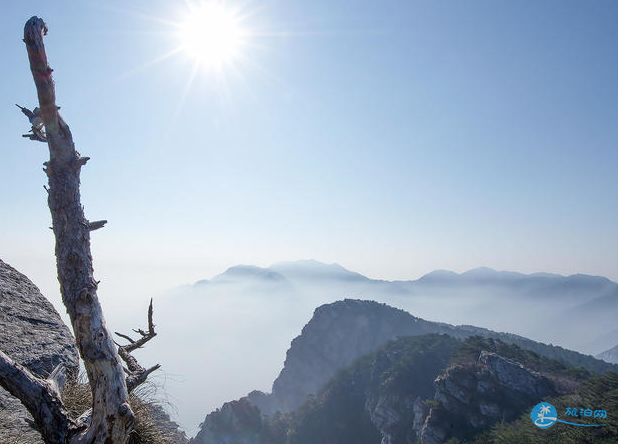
(392,137)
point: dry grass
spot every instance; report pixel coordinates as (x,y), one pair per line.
(77,399)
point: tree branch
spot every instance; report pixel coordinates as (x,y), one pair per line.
(137,374)
(40,397)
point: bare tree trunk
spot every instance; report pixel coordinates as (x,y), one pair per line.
(110,421)
(112,418)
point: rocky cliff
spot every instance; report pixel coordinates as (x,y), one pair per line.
(428,389)
(32,333)
(238,419)
(170,429)
(336,335)
(610,355)
(473,397)
(340,332)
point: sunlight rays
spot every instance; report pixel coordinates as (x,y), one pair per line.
(212,35)
(217,41)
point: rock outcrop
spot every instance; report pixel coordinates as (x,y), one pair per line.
(389,413)
(32,333)
(429,388)
(610,355)
(336,335)
(171,429)
(475,396)
(341,332)
(239,422)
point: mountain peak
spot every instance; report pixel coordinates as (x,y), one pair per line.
(239,272)
(480,271)
(438,275)
(312,269)
(610,355)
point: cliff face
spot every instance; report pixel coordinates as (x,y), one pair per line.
(32,333)
(426,389)
(360,405)
(473,397)
(170,429)
(336,335)
(610,355)
(341,332)
(236,421)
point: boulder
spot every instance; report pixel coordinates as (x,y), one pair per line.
(31,333)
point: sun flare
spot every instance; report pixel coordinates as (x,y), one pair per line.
(212,35)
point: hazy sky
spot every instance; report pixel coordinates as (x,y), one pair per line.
(392,137)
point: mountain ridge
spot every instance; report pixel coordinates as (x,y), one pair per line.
(536,305)
(411,388)
(374,324)
(342,332)
(305,265)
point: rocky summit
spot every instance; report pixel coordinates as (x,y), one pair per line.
(364,372)
(475,396)
(341,332)
(336,335)
(610,355)
(31,333)
(428,389)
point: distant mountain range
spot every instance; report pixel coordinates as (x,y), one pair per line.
(244,318)
(573,311)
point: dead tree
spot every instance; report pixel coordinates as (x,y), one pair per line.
(111,419)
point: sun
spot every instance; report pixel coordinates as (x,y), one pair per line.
(212,34)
